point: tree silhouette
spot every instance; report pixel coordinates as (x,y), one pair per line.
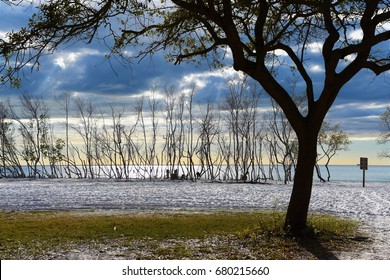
(260,35)
(331,140)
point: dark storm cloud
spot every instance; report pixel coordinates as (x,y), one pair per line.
(83,69)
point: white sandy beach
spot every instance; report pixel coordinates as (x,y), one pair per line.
(370,205)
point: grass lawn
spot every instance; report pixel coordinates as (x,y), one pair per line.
(170,235)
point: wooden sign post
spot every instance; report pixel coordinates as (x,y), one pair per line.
(364,167)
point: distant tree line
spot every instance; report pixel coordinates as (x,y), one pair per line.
(384,137)
(158,137)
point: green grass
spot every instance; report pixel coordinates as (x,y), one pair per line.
(171,235)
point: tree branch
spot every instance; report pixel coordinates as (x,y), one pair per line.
(299,64)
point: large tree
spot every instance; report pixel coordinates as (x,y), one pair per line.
(258,35)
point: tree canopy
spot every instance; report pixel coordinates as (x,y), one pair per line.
(256,35)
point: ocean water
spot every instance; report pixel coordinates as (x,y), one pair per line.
(347,173)
(352,173)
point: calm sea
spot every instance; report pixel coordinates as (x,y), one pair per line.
(375,173)
(350,173)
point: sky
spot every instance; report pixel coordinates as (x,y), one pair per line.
(82,70)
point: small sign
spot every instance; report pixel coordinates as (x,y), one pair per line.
(363,163)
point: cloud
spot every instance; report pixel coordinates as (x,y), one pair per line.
(279,52)
(386,26)
(359,119)
(315,47)
(2,34)
(202,79)
(317,68)
(360,109)
(66,59)
(356,35)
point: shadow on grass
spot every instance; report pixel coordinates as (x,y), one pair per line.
(314,246)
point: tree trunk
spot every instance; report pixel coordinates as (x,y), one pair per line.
(319,173)
(300,198)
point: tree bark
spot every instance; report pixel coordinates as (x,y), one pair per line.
(298,207)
